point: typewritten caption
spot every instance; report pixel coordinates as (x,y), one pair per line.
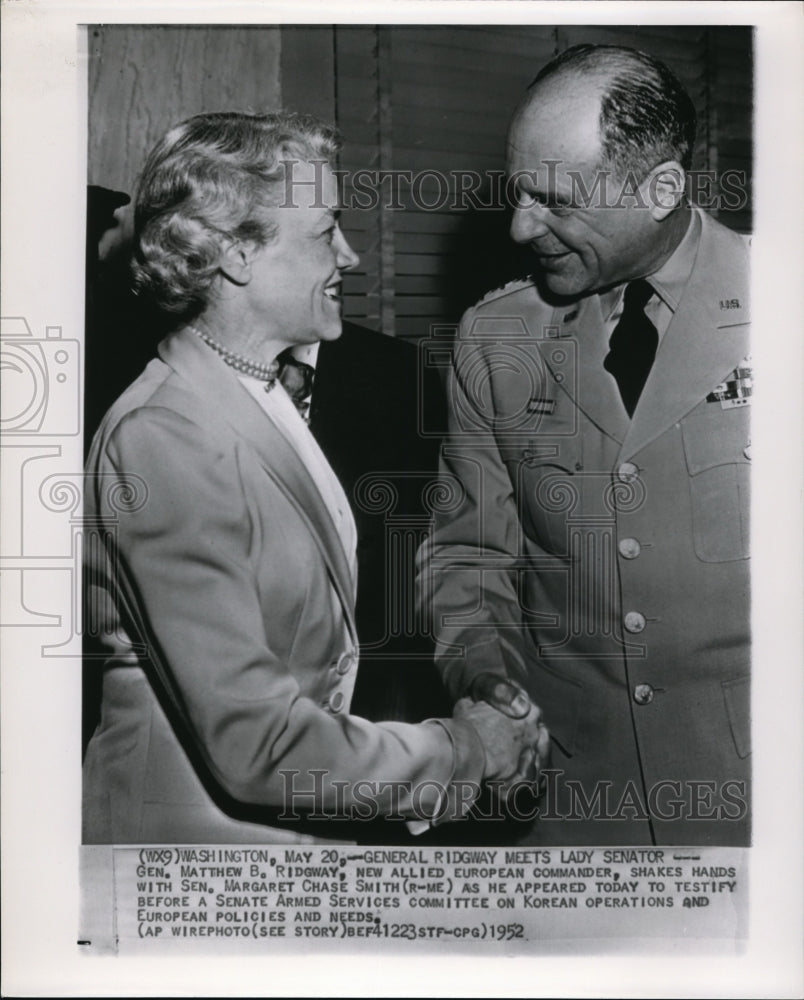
(256,899)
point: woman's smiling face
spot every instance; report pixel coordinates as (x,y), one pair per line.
(295,280)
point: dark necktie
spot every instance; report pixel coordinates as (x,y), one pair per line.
(633,344)
(297,380)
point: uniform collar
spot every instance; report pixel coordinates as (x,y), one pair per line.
(671,278)
(707,338)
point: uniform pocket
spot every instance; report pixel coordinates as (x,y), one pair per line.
(719,474)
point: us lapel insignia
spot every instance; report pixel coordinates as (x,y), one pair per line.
(736,390)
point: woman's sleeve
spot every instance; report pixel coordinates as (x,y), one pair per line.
(187,577)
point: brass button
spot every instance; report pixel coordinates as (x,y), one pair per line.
(627,471)
(629,548)
(634,621)
(336,701)
(345,663)
(643,694)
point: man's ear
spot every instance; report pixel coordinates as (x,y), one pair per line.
(666,188)
(235,263)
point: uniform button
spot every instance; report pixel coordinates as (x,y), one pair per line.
(629,548)
(634,621)
(627,471)
(643,694)
(336,701)
(747,451)
(345,663)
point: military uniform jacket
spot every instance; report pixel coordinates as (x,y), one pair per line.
(603,561)
(222,603)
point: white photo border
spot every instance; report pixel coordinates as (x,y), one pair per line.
(44,173)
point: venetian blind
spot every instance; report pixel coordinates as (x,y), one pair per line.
(426,109)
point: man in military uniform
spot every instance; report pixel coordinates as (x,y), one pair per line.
(597,549)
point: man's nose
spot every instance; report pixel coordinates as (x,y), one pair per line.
(345,256)
(529,222)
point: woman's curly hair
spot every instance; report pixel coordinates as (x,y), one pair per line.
(206,185)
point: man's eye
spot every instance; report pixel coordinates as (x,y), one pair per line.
(558,208)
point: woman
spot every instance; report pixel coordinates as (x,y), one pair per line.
(224,594)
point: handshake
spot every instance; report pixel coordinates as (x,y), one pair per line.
(509,725)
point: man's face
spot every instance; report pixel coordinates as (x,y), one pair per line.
(580,248)
(295,286)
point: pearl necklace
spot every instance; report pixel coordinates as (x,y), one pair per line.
(265,373)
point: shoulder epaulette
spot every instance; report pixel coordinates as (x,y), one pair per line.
(509,288)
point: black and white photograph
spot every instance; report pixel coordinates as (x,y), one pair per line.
(398,566)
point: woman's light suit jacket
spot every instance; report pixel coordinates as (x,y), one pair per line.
(222,603)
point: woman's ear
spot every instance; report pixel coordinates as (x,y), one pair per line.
(235,263)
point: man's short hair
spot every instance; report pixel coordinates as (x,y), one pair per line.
(646,115)
(208,183)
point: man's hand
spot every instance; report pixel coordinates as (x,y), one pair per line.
(509,742)
(511,700)
(529,767)
(502,694)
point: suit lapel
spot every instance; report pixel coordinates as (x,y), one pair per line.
(214,382)
(707,338)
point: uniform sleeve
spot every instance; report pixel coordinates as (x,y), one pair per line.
(467,569)
(186,576)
